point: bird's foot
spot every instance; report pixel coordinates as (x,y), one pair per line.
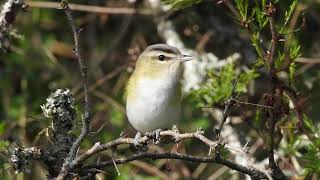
(136,139)
(137,145)
(155,135)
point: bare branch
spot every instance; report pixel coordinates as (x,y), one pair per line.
(87,8)
(274,39)
(87,114)
(173,133)
(254,173)
(275,95)
(272,120)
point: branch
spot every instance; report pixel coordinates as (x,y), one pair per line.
(171,133)
(227,107)
(87,8)
(274,94)
(87,114)
(272,120)
(214,146)
(231,7)
(254,173)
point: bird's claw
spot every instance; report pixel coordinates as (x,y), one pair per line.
(136,139)
(138,146)
(155,135)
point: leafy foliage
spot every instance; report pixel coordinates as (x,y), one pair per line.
(312,158)
(219,85)
(288,14)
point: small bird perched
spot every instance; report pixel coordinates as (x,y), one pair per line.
(153,91)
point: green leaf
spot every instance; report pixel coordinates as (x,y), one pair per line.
(309,124)
(312,159)
(255,39)
(279,59)
(292,71)
(295,52)
(288,14)
(242,6)
(260,17)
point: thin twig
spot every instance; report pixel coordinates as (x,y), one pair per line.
(304,60)
(251,104)
(231,7)
(88,8)
(227,107)
(115,164)
(272,49)
(244,103)
(87,114)
(288,36)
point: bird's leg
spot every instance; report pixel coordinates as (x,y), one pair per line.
(157,136)
(137,145)
(136,139)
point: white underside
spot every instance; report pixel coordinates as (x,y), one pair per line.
(151,109)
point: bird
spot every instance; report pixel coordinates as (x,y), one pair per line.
(153,93)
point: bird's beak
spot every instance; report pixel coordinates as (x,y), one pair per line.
(184,58)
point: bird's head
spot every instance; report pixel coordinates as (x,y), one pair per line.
(160,59)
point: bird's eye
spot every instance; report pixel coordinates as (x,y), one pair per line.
(161,57)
